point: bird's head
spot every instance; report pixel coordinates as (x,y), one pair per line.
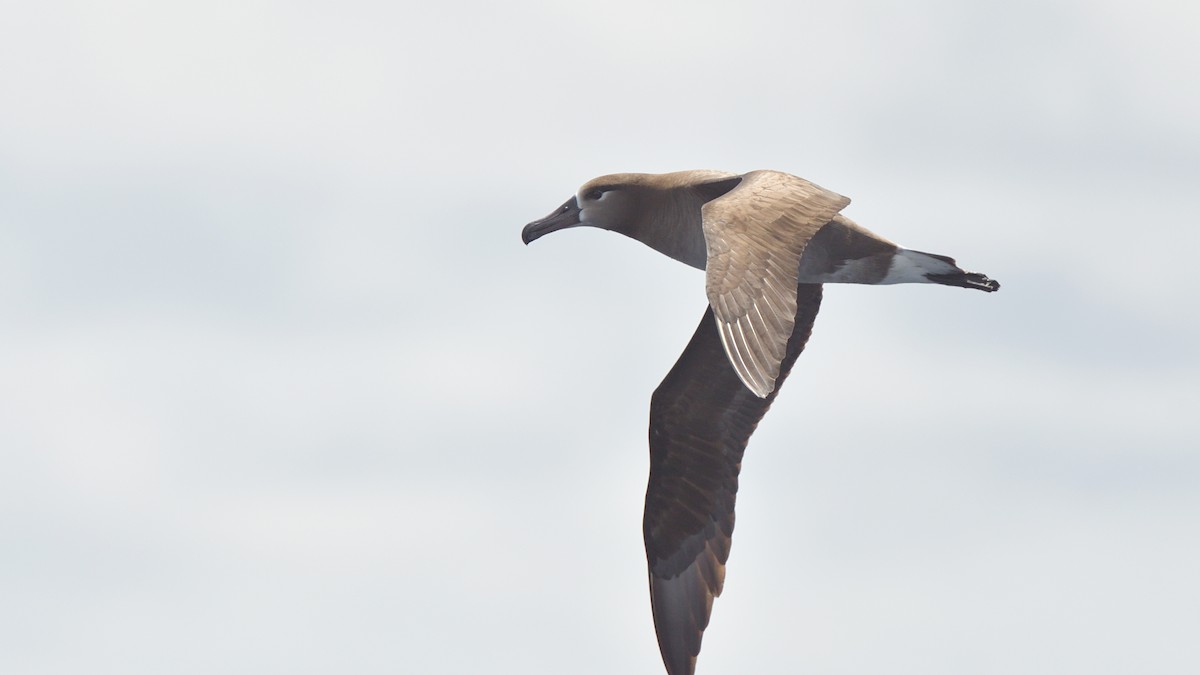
(605,202)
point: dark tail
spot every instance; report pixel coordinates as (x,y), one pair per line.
(966,280)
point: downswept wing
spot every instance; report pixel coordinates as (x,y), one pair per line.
(755,236)
(701,418)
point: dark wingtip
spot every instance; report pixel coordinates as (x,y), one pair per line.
(966,280)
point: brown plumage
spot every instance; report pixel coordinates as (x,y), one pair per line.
(701,418)
(767,241)
(755,236)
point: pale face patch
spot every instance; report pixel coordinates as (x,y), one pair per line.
(597,212)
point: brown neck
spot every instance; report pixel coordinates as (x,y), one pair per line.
(671,224)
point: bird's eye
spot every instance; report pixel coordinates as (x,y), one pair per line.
(594,195)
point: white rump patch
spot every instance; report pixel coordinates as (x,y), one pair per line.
(910,267)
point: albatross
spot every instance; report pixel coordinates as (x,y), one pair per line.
(767,241)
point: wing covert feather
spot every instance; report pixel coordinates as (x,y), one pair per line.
(756,234)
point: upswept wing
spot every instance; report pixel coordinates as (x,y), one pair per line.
(701,418)
(755,236)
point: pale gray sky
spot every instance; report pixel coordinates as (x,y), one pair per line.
(282,392)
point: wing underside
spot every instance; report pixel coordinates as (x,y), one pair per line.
(701,418)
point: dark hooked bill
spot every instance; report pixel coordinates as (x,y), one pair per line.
(563,217)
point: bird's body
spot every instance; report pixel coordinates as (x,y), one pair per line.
(767,241)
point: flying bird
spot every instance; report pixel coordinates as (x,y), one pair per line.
(767,241)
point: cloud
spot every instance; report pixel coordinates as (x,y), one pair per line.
(282,388)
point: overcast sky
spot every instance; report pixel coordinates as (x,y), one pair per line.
(281,391)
